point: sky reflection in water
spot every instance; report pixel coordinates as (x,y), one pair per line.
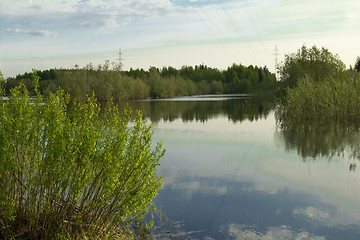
(228,179)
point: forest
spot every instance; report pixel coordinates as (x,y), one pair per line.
(109,83)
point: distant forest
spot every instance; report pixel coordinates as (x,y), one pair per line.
(110,83)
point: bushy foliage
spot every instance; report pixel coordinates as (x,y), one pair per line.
(332,99)
(317,87)
(72,173)
(312,63)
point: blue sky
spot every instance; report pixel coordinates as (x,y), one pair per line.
(45,34)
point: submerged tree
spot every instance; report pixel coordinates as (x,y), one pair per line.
(317,88)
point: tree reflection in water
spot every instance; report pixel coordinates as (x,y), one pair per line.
(204,108)
(326,138)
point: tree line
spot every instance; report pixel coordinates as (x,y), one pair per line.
(109,83)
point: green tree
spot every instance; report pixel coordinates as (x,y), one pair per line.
(235,83)
(136,89)
(357,64)
(158,85)
(313,63)
(72,173)
(261,75)
(203,87)
(245,86)
(77,83)
(216,87)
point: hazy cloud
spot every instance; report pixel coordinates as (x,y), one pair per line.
(65,14)
(311,213)
(43,33)
(230,25)
(191,187)
(238,231)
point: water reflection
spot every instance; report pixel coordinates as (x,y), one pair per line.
(214,208)
(321,139)
(226,178)
(231,181)
(236,108)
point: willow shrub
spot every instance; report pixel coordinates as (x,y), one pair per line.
(72,174)
(322,101)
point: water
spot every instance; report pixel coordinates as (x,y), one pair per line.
(231,173)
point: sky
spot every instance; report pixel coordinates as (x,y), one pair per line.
(46,34)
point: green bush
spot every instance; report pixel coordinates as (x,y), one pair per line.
(72,174)
(315,86)
(336,100)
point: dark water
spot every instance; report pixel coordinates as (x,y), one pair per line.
(231,173)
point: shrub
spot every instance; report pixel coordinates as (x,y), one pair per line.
(315,86)
(335,100)
(72,173)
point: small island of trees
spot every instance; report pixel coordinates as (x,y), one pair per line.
(316,86)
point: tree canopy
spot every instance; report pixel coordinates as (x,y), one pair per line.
(314,63)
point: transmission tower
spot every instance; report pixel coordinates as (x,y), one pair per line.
(120,59)
(276,54)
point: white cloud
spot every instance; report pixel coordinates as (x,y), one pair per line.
(238,231)
(189,24)
(43,33)
(191,187)
(67,13)
(311,213)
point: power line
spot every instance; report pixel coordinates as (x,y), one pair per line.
(233,23)
(211,30)
(235,26)
(255,26)
(216,30)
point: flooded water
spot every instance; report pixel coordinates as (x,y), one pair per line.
(231,173)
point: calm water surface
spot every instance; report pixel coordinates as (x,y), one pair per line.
(231,173)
